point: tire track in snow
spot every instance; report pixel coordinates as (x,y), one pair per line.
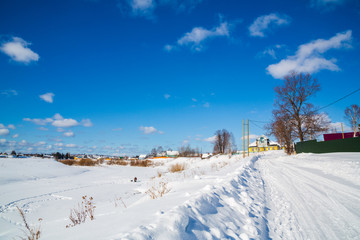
(307,204)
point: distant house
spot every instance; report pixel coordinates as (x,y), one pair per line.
(142,156)
(262,144)
(172,154)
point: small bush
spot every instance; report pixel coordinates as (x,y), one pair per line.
(100,161)
(117,162)
(177,167)
(158,190)
(86,162)
(68,162)
(32,233)
(85,209)
(140,163)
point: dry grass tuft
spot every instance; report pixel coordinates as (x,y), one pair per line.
(85,209)
(117,162)
(177,167)
(141,163)
(158,190)
(68,162)
(32,233)
(86,162)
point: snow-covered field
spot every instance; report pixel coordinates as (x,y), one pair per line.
(265,196)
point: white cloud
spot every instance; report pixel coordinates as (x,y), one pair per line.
(43,129)
(210,139)
(15,136)
(39,121)
(4,131)
(47,97)
(58,121)
(11,126)
(69,122)
(69,134)
(2,140)
(167,96)
(9,92)
(59,144)
(117,129)
(198,35)
(18,51)
(308,57)
(194,99)
(263,23)
(206,105)
(149,130)
(86,123)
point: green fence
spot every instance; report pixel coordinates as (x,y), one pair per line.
(340,145)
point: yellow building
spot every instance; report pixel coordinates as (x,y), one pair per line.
(263,144)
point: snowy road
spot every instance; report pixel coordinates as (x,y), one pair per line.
(312,196)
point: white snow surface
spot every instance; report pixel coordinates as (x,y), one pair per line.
(264,196)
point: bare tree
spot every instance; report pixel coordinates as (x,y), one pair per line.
(292,101)
(187,151)
(282,128)
(352,114)
(224,142)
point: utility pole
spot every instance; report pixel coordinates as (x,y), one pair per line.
(342,130)
(243,138)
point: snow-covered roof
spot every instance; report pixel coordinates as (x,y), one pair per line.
(172,153)
(253,144)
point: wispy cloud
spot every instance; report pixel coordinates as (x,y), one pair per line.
(326,4)
(167,96)
(39,121)
(197,36)
(309,57)
(86,122)
(210,139)
(47,97)
(146,8)
(263,23)
(9,92)
(68,134)
(17,49)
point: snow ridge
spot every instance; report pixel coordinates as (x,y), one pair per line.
(233,209)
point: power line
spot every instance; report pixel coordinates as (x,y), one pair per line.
(255,124)
(339,99)
(257,121)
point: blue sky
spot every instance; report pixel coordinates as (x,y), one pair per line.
(124,76)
